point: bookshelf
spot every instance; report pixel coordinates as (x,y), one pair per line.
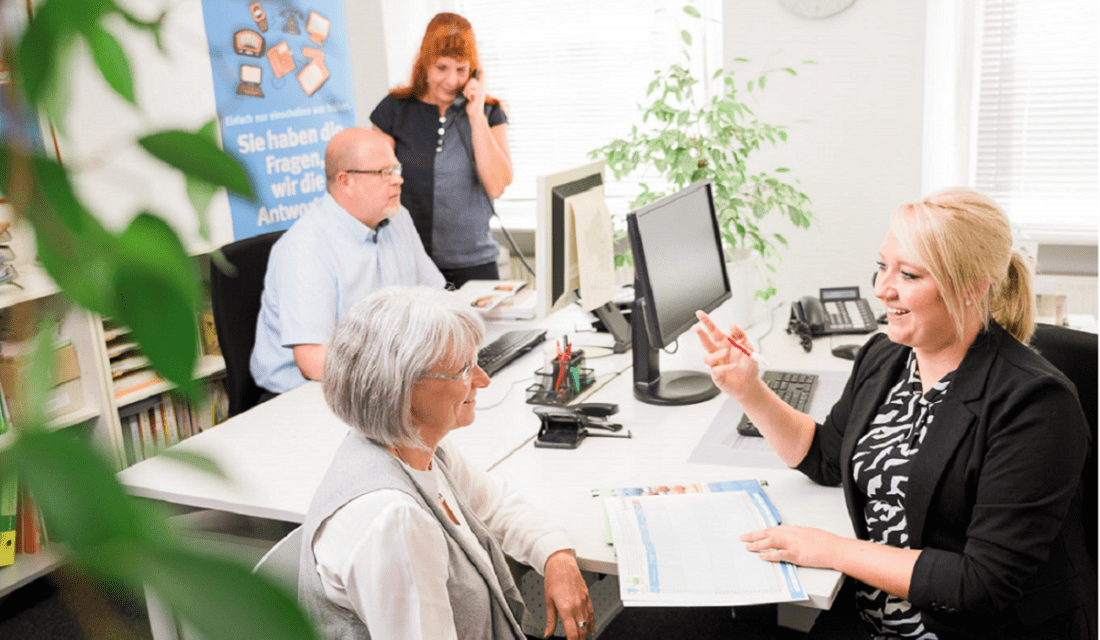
(99,416)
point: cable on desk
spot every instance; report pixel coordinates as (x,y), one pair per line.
(595,387)
(504,397)
(771,325)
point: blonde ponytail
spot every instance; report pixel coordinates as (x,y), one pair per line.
(1012,305)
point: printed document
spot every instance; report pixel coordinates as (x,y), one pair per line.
(683,550)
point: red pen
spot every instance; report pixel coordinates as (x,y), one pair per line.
(745,351)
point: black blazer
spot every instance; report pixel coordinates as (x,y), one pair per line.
(993,498)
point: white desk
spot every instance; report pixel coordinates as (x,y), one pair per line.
(561,481)
(276,454)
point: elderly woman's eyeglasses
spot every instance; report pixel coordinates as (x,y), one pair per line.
(463,375)
(385,173)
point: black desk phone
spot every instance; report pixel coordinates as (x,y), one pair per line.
(838,310)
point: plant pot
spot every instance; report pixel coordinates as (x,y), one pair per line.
(740,308)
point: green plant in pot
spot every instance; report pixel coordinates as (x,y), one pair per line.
(686,137)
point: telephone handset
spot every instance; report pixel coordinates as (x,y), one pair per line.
(460,99)
(838,310)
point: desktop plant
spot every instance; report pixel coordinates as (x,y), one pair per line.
(686,137)
(143,277)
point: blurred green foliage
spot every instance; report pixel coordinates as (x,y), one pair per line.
(143,278)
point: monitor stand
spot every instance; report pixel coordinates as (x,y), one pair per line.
(653,386)
(617,325)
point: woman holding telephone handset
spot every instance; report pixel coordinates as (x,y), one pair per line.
(452,142)
(959,448)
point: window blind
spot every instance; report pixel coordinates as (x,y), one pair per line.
(572,72)
(1036,128)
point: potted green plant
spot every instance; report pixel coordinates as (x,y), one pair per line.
(686,137)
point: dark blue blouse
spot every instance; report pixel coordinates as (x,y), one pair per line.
(442,191)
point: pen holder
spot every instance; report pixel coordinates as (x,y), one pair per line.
(563,381)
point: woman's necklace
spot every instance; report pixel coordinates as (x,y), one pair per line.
(397,450)
(443,502)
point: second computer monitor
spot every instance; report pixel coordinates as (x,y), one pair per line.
(679,267)
(556,275)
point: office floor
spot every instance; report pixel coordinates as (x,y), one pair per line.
(39,611)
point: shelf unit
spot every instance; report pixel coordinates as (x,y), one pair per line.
(99,417)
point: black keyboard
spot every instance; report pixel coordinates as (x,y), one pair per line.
(796,389)
(495,355)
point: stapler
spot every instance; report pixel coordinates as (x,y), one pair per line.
(594,414)
(566,427)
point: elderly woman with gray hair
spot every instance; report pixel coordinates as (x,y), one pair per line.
(404,538)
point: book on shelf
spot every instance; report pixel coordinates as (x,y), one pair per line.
(208,333)
(130,369)
(136,381)
(131,435)
(119,347)
(9,496)
(155,423)
(7,256)
(138,430)
(168,422)
(131,362)
(31,535)
(677,545)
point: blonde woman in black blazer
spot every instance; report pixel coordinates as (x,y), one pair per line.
(960,450)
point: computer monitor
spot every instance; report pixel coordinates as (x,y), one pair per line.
(679,267)
(556,274)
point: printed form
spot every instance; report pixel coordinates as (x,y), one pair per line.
(683,550)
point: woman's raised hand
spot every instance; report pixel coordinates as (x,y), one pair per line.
(475,94)
(730,368)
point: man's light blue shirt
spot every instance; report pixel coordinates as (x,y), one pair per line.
(326,262)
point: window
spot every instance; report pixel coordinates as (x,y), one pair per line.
(571,73)
(1036,111)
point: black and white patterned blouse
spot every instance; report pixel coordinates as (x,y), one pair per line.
(880,469)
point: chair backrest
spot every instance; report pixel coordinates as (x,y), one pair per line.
(281,562)
(1074,354)
(235,299)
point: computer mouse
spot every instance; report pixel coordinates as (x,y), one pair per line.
(846,351)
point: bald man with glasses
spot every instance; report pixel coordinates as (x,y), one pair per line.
(357,238)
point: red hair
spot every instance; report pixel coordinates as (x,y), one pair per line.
(450,35)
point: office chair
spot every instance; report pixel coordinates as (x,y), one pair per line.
(281,562)
(236,303)
(1074,354)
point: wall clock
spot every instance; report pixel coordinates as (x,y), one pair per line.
(817,8)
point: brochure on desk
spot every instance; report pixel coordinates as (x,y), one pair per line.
(488,295)
(682,548)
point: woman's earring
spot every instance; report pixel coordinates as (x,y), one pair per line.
(968,303)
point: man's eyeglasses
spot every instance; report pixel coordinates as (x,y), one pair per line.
(385,173)
(463,375)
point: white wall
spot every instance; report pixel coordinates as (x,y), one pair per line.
(854,118)
(854,122)
(369,62)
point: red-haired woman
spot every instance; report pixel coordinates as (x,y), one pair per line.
(452,142)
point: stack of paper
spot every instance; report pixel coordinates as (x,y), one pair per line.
(680,546)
